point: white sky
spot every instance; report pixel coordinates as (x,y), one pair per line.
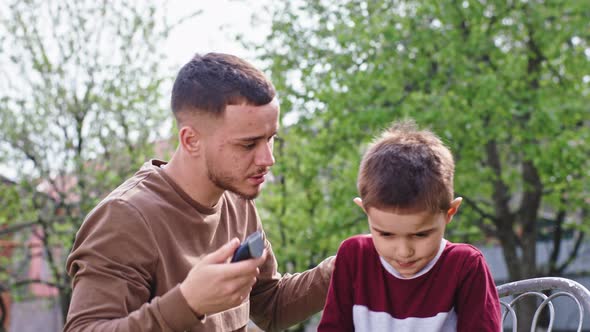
(213,30)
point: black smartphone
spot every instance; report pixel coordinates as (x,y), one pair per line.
(252,247)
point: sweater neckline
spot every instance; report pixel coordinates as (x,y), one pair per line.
(207,210)
(389,268)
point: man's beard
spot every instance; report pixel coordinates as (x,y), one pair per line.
(226,183)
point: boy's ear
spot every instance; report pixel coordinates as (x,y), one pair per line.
(358,201)
(454,208)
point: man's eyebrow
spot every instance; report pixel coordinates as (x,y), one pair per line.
(254,138)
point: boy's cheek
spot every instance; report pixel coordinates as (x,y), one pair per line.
(382,247)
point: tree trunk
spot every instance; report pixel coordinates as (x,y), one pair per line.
(65,297)
(5,302)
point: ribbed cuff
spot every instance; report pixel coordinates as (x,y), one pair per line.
(176,312)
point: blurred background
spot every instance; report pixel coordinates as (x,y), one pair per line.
(84,95)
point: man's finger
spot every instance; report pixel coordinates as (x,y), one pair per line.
(243,268)
(222,254)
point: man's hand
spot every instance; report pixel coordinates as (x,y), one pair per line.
(213,286)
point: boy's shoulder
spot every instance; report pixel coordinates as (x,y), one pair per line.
(361,243)
(358,241)
(461,256)
(462,249)
(357,253)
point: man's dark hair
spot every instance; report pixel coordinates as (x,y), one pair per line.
(210,82)
(406,169)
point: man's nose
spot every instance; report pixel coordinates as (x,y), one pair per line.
(264,156)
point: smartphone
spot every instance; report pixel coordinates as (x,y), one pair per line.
(252,247)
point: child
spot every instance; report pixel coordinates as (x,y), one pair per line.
(405,276)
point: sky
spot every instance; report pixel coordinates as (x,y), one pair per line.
(214,30)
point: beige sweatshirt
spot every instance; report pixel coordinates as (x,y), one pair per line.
(140,242)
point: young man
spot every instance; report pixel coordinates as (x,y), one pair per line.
(405,276)
(153,255)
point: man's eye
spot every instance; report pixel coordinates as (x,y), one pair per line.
(421,235)
(249,146)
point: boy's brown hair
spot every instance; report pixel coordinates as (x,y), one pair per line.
(407,170)
(210,82)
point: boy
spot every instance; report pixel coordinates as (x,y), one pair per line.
(405,276)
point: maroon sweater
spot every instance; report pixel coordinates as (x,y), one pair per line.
(456,292)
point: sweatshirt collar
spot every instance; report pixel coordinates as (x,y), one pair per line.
(158,166)
(423,271)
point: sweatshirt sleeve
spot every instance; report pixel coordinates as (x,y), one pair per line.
(112,265)
(277,302)
(478,304)
(337,315)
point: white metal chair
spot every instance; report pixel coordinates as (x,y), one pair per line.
(511,293)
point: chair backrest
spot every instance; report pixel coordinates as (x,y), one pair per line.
(562,287)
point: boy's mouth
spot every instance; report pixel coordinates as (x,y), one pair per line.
(406,264)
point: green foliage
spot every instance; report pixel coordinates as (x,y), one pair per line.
(504,83)
(80,108)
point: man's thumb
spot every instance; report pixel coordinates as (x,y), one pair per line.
(222,254)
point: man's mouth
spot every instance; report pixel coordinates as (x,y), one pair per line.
(257,179)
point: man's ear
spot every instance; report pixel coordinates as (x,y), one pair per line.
(190,138)
(358,201)
(454,208)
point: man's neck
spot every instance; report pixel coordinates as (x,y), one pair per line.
(192,179)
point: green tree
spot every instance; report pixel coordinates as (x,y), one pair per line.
(504,83)
(80,109)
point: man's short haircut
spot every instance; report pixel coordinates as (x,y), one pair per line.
(407,170)
(210,82)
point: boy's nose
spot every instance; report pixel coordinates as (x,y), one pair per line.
(404,250)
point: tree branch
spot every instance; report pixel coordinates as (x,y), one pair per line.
(557,236)
(500,195)
(489,231)
(25,282)
(573,254)
(14,228)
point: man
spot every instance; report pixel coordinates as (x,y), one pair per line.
(153,255)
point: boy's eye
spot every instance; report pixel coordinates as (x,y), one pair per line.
(421,234)
(385,234)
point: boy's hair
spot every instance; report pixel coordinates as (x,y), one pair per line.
(210,82)
(407,170)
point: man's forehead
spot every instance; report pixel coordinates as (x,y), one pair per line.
(249,115)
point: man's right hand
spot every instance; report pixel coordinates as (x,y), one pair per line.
(213,286)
